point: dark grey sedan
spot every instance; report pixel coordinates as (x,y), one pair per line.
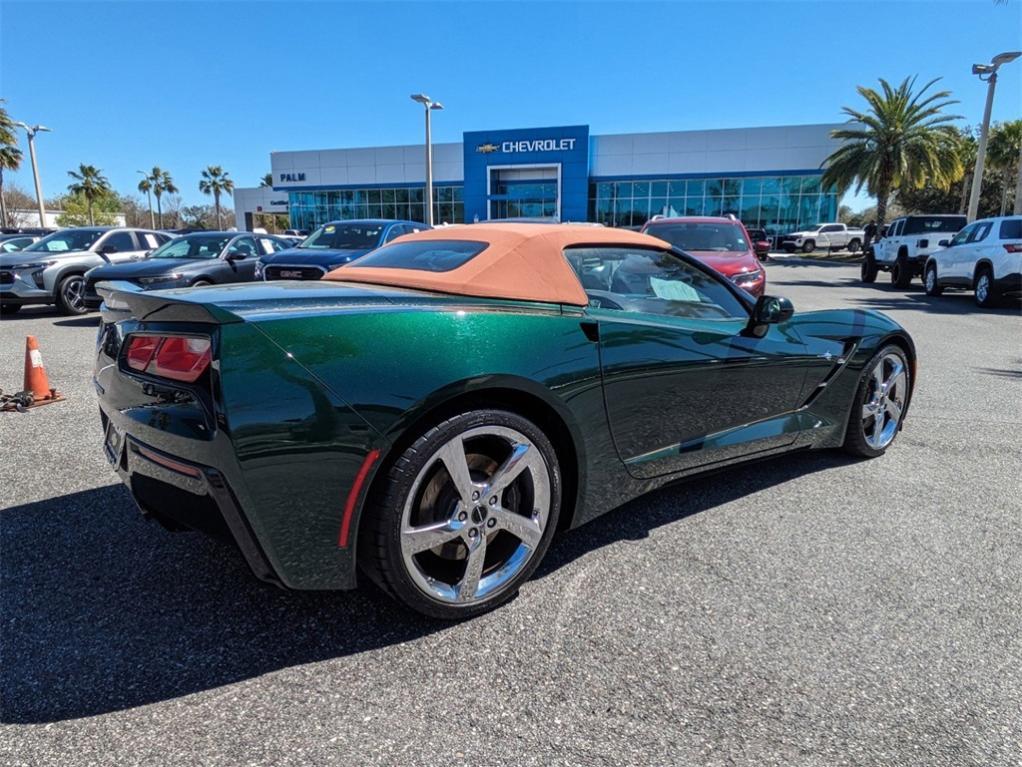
(199,258)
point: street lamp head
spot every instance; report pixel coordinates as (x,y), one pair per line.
(436,105)
(422,98)
(982,69)
(1005,58)
(42,129)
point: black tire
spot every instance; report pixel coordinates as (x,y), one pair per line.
(868,269)
(6,310)
(855,437)
(200,283)
(809,246)
(380,546)
(853,246)
(933,288)
(71,295)
(986,295)
(901,274)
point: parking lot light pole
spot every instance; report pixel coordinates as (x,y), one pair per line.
(429,106)
(987,73)
(31,130)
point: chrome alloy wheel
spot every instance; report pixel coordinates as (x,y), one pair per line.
(74,293)
(931,279)
(475,515)
(885,401)
(983,287)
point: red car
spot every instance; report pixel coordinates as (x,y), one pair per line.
(719,242)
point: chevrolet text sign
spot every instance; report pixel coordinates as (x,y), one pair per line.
(538,145)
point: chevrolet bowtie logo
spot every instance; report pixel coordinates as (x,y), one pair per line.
(487,148)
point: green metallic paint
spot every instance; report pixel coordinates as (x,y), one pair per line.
(310,378)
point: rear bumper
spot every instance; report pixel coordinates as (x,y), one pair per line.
(180,493)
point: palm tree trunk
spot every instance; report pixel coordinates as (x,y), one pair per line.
(3,201)
(216,204)
(966,183)
(1005,184)
(92,221)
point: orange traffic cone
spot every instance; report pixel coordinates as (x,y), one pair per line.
(36,380)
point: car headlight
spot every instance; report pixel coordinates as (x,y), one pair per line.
(33,265)
(161,278)
(745,279)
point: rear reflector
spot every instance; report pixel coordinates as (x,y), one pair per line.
(353,494)
(1013,247)
(179,358)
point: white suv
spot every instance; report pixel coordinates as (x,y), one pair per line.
(986,256)
(909,241)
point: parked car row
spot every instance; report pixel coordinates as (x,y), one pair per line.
(984,256)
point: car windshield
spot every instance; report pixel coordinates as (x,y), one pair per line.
(931,224)
(67,240)
(344,237)
(718,237)
(193,246)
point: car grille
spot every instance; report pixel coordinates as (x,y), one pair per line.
(293,273)
(6,278)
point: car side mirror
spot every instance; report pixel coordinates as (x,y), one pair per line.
(236,255)
(944,243)
(769,310)
(761,248)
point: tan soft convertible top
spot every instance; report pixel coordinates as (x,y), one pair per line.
(520,261)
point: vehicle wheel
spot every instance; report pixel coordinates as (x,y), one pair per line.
(853,246)
(930,281)
(901,274)
(879,404)
(200,283)
(71,295)
(465,515)
(808,246)
(6,310)
(868,270)
(986,294)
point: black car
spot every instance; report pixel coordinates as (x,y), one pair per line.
(332,245)
(202,258)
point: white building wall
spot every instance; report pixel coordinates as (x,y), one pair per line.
(259,199)
(398,165)
(738,150)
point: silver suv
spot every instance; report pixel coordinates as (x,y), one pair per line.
(52,270)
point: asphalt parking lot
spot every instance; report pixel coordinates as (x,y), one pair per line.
(809,611)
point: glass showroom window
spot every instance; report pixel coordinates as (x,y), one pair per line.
(778,204)
(309,210)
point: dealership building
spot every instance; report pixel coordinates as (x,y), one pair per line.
(768,177)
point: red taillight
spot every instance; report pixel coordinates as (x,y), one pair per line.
(1013,247)
(180,358)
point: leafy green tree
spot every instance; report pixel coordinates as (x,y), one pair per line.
(216,182)
(79,210)
(266,180)
(901,140)
(160,182)
(10,156)
(1003,157)
(90,183)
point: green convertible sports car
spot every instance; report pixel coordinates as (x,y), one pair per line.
(431,414)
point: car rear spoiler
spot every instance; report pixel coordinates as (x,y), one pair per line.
(122,300)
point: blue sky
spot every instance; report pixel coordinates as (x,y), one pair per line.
(130,85)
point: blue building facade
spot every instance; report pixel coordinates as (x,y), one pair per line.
(768,177)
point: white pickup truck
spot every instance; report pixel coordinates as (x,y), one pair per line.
(908,243)
(824,237)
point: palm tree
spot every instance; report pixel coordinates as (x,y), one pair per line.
(216,182)
(902,139)
(10,156)
(89,182)
(146,187)
(266,180)
(160,181)
(1003,154)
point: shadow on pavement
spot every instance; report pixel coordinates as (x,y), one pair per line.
(104,611)
(80,322)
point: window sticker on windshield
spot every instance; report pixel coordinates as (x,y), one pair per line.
(673,290)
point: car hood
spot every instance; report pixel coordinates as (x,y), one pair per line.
(147,267)
(36,256)
(310,257)
(802,234)
(728,264)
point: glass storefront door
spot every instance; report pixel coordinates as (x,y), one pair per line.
(523,193)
